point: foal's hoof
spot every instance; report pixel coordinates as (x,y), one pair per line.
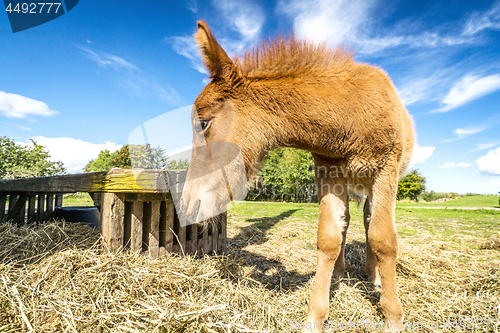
(394,325)
(338,275)
(393,314)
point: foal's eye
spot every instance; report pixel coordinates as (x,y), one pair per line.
(201,125)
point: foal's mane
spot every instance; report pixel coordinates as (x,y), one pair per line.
(292,57)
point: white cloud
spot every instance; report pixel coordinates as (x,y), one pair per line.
(469,88)
(462,133)
(450,165)
(333,21)
(107,60)
(490,163)
(193,6)
(133,79)
(244,17)
(414,90)
(74,153)
(483,146)
(483,21)
(137,85)
(186,46)
(370,45)
(241,16)
(420,154)
(352,22)
(17,106)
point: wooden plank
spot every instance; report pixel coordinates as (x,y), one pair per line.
(96,197)
(163,225)
(54,184)
(40,208)
(169,225)
(17,205)
(136,226)
(12,203)
(205,242)
(181,236)
(146,196)
(116,180)
(215,234)
(154,233)
(31,209)
(112,219)
(59,200)
(188,243)
(127,221)
(223,234)
(49,208)
(199,246)
(193,235)
(21,216)
(3,201)
(146,225)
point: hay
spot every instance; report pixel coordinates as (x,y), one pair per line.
(54,279)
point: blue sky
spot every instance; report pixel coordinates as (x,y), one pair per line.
(85,81)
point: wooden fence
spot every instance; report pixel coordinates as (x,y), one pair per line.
(136,207)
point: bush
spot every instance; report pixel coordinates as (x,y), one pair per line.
(19,161)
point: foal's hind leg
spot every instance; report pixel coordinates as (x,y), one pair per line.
(383,241)
(371,263)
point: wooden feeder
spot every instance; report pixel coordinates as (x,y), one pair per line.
(136,207)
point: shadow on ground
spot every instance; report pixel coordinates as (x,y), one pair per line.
(282,272)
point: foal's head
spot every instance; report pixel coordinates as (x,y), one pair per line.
(223,136)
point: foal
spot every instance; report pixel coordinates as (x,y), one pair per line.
(293,93)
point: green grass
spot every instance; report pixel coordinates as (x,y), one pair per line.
(77,199)
(460,227)
(481,201)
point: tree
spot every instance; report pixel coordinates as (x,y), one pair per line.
(101,163)
(287,174)
(137,156)
(121,158)
(178,164)
(147,157)
(19,161)
(411,185)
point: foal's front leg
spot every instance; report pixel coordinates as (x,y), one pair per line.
(332,223)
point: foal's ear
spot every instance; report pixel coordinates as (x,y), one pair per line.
(212,54)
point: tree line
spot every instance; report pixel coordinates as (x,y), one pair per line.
(134,156)
(20,161)
(286,174)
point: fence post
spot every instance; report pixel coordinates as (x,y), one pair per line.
(50,206)
(31,208)
(112,218)
(154,232)
(40,210)
(3,201)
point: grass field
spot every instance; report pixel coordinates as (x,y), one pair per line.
(54,279)
(77,199)
(480,201)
